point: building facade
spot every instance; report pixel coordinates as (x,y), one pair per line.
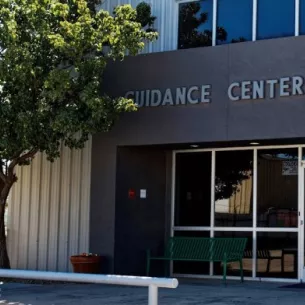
(215,149)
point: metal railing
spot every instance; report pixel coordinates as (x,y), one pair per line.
(152,283)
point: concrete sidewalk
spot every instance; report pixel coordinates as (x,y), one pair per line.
(207,293)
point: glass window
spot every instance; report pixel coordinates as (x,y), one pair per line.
(193,189)
(275,18)
(233,267)
(302,17)
(277,255)
(277,188)
(234,21)
(195,24)
(234,189)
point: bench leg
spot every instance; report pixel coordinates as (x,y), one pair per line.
(147,266)
(147,262)
(241,270)
(225,271)
(268,265)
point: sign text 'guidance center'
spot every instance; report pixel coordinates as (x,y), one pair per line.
(237,91)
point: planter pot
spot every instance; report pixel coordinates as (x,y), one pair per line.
(86,264)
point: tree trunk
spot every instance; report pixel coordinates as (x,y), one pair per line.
(4,259)
(4,191)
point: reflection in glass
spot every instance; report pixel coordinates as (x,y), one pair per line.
(196,25)
(277,255)
(193,189)
(302,17)
(277,188)
(234,189)
(233,268)
(235,16)
(275,19)
(184,267)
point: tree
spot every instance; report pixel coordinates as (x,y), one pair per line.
(52,59)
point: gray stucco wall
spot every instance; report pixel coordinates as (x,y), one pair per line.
(139,222)
(220,120)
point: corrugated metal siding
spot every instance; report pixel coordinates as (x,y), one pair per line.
(48,217)
(166,23)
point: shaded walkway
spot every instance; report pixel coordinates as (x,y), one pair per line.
(195,293)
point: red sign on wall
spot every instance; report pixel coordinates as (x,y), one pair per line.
(131,194)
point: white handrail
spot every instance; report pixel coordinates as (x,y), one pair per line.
(152,283)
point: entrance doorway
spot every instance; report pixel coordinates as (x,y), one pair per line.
(242,192)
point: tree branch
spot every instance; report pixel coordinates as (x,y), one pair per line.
(28,155)
(20,159)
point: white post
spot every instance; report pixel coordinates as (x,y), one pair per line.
(152,295)
(152,283)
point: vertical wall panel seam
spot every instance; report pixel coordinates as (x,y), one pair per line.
(72,155)
(39,208)
(54,197)
(80,214)
(170,26)
(89,152)
(74,203)
(162,30)
(85,208)
(59,205)
(29,184)
(33,184)
(48,216)
(18,220)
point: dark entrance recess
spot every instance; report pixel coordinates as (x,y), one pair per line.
(139,222)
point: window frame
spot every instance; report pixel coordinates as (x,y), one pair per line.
(214,21)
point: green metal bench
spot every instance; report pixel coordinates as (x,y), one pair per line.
(198,249)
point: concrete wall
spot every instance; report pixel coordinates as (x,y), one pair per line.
(221,121)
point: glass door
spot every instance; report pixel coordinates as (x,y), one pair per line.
(277,213)
(233,204)
(302,216)
(192,204)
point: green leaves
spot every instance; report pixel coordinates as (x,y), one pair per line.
(52,57)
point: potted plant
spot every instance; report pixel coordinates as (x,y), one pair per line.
(86,263)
